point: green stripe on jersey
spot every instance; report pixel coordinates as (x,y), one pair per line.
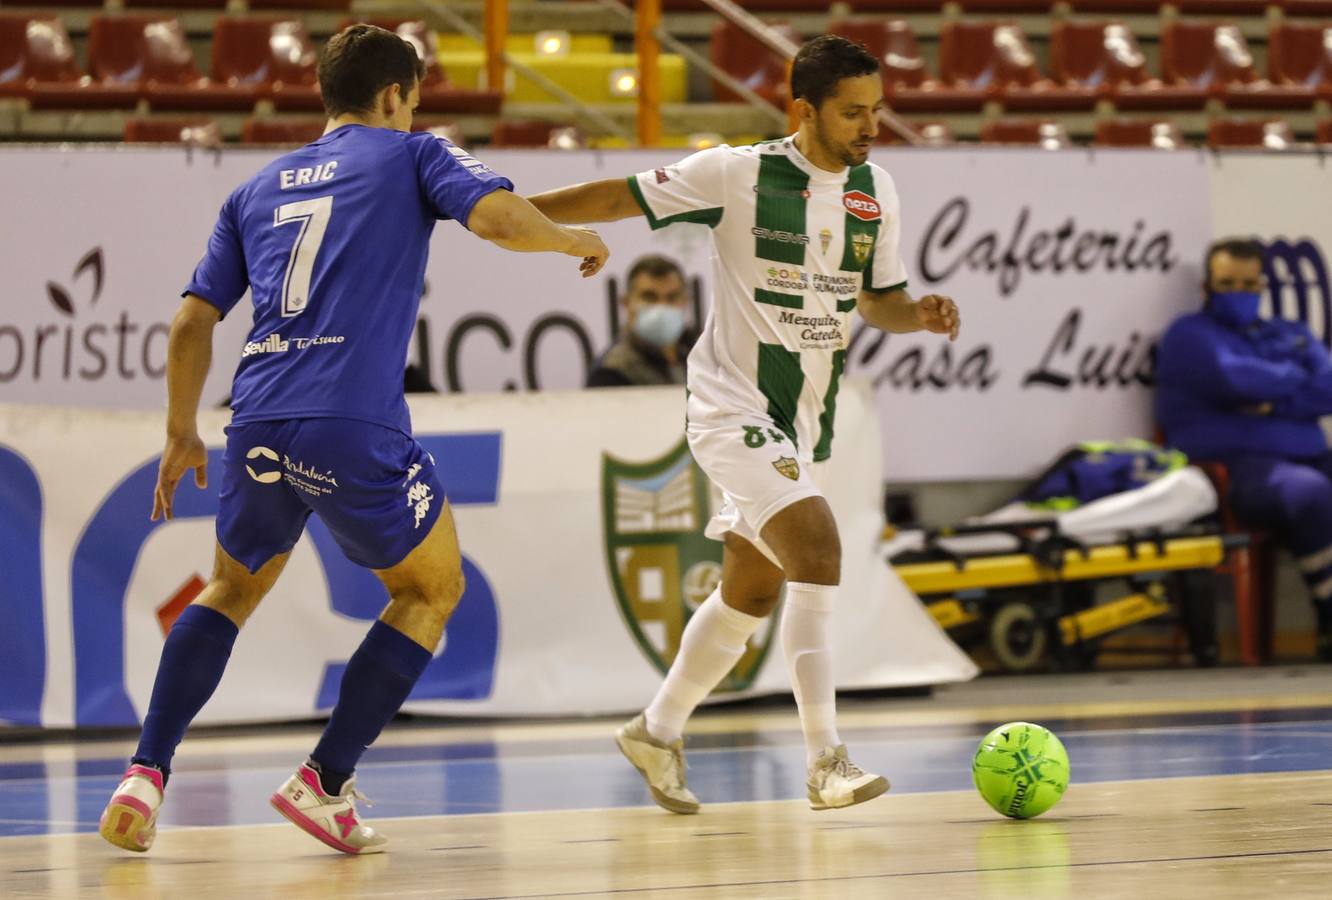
(845,306)
(781,379)
(823,449)
(710,217)
(780,209)
(773,298)
(860,236)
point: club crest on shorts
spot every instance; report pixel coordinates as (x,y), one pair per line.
(788,467)
(660,563)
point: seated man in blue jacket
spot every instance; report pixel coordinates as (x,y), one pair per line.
(1249,392)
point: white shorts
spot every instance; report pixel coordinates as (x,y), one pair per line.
(758,471)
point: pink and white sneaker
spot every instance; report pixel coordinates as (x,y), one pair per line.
(130,819)
(331,819)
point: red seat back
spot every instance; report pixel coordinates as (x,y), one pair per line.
(1160,134)
(1205,55)
(36,48)
(986,55)
(1096,54)
(1049,133)
(282,131)
(131,49)
(1273,134)
(1300,55)
(263,52)
(750,62)
(893,43)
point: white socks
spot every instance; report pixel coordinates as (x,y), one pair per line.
(807,642)
(713,642)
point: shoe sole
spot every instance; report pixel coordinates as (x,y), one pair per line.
(666,803)
(121,823)
(301,821)
(865,792)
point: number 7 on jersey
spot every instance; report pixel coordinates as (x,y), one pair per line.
(313,216)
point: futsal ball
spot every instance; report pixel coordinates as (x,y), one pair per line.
(1020,769)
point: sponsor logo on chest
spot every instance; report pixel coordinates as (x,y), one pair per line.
(862,206)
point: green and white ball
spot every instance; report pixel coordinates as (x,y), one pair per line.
(1020,769)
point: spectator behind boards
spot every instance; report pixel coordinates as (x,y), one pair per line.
(652,344)
(1249,392)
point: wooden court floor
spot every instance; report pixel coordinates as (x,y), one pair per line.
(1213,792)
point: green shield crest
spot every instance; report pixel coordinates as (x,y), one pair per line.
(661,565)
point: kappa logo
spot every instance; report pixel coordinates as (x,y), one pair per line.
(862,206)
(419,497)
(661,175)
(787,467)
(263,477)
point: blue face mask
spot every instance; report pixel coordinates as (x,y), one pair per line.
(660,324)
(1236,308)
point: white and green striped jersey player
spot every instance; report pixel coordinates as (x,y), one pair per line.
(794,246)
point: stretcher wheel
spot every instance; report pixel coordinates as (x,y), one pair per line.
(1197,606)
(1017,636)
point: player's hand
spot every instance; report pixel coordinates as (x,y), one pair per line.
(588,245)
(181,455)
(939,315)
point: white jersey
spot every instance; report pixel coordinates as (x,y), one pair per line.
(793,246)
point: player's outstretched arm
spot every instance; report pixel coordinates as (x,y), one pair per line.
(509,221)
(189,354)
(595,201)
(895,311)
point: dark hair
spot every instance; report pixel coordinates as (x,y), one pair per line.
(823,62)
(359,62)
(1240,248)
(653,266)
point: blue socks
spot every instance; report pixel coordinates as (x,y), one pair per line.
(378,678)
(193,660)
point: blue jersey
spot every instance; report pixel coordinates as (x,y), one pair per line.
(332,242)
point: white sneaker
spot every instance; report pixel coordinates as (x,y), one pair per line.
(130,819)
(661,765)
(325,817)
(835,781)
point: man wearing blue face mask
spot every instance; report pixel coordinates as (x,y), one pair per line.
(649,349)
(1249,392)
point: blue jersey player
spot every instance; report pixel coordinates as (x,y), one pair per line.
(331,240)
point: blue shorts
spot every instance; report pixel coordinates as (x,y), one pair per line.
(374,487)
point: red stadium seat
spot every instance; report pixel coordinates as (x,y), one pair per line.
(1301,55)
(1105,57)
(933,134)
(1309,9)
(336,5)
(995,58)
(522,133)
(750,62)
(297,132)
(1159,134)
(185,130)
(1216,58)
(1116,7)
(269,58)
(1226,7)
(1270,134)
(896,7)
(34,49)
(126,55)
(437,94)
(906,82)
(990,7)
(1047,133)
(1323,131)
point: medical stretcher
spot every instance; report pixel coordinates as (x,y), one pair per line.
(1030,588)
